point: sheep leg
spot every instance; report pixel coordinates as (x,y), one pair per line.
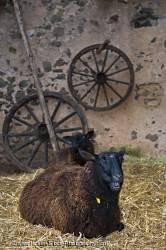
(120,226)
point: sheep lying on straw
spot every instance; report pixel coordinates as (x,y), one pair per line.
(77,199)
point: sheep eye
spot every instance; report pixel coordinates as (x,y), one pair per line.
(104,158)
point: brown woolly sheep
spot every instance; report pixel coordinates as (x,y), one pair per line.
(77,199)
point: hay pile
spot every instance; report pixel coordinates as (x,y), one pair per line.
(143,207)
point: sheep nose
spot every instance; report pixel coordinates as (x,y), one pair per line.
(115,186)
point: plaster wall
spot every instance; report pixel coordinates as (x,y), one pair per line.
(58,29)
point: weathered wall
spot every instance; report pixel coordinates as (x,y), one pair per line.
(58,29)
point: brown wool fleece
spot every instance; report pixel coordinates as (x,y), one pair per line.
(66,200)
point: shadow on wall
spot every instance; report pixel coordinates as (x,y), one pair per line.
(107,3)
(5,3)
(6,6)
(6,166)
(103,4)
(8,169)
(144,17)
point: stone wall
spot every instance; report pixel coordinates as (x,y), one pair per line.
(58,29)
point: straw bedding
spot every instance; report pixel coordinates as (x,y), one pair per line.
(143,204)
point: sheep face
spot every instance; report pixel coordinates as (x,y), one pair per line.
(80,141)
(109,170)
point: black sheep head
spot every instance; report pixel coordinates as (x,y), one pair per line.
(108,169)
(80,141)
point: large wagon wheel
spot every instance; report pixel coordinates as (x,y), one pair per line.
(25,134)
(100,79)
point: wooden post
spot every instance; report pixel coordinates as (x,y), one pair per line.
(37,82)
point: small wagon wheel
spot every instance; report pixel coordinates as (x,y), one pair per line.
(100,79)
(25,134)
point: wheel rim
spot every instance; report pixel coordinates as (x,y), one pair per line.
(100,81)
(25,134)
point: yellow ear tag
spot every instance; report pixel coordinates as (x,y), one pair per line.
(98,200)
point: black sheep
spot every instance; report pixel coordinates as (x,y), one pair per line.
(76,142)
(77,199)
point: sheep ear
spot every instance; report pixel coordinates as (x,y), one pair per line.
(68,139)
(90,134)
(122,152)
(87,156)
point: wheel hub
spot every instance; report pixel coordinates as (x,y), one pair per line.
(42,131)
(101,78)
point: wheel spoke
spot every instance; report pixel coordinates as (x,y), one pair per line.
(21,134)
(46,153)
(114,90)
(88,91)
(65,119)
(68,130)
(87,65)
(22,121)
(57,143)
(27,143)
(118,71)
(24,145)
(94,56)
(105,93)
(63,140)
(43,118)
(31,113)
(122,82)
(82,74)
(83,83)
(98,90)
(105,60)
(55,110)
(111,70)
(34,152)
(112,64)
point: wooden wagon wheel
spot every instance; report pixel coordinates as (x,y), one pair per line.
(25,134)
(101,77)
